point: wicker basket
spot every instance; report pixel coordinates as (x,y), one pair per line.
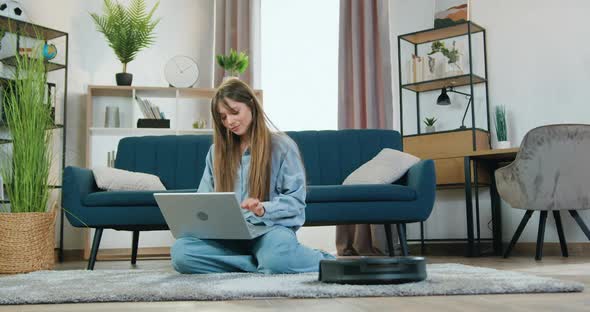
(27,241)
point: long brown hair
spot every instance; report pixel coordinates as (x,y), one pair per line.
(227,144)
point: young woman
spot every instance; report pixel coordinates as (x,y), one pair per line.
(265,171)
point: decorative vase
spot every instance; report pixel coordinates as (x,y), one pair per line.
(27,241)
(436,66)
(124,79)
(430,129)
(111,117)
(502,144)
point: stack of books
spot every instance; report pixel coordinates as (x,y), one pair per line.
(154,118)
(148,109)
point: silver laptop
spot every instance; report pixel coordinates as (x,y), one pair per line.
(206,216)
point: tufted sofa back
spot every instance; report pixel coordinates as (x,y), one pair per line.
(329,156)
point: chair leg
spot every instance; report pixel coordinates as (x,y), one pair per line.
(519,229)
(401,231)
(580,222)
(562,241)
(541,235)
(422,246)
(94,250)
(389,239)
(134,246)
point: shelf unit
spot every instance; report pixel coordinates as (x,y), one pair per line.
(124,98)
(181,105)
(25,31)
(478,135)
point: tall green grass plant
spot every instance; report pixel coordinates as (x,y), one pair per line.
(500,123)
(28,116)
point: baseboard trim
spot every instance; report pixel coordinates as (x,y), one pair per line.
(118,254)
(431,249)
(520,249)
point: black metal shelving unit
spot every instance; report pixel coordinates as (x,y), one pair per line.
(469,79)
(25,30)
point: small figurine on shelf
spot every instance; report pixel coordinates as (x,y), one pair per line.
(429,122)
(200,124)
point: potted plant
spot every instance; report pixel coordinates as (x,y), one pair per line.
(501,131)
(234,64)
(26,226)
(127,30)
(429,122)
(452,66)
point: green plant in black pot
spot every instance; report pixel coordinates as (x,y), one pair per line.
(127,30)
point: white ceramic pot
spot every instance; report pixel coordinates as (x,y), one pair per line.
(502,144)
(430,129)
(226,78)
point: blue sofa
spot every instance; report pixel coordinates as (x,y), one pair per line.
(329,157)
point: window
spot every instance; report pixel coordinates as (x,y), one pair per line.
(299,63)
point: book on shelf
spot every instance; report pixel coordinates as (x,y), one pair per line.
(148,109)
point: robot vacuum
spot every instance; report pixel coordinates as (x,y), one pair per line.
(373,270)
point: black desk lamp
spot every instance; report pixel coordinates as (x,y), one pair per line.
(443,99)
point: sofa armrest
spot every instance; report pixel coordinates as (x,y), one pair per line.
(77,183)
(422,178)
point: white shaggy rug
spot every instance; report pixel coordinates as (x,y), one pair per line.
(166,285)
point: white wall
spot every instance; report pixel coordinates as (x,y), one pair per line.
(185,29)
(538,67)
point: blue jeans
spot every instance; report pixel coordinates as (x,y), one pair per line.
(277,251)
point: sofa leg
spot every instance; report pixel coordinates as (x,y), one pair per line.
(134,245)
(94,250)
(581,223)
(562,241)
(523,222)
(389,239)
(401,231)
(541,235)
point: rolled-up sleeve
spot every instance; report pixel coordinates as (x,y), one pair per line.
(290,186)
(207,185)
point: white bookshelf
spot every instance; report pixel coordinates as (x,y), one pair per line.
(183,106)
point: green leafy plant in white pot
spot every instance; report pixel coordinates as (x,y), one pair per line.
(501,127)
(234,63)
(429,122)
(27,224)
(128,30)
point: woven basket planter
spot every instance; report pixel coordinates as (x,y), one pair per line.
(27,241)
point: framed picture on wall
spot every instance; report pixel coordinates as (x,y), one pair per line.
(450,12)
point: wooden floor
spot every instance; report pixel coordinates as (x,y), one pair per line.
(573,268)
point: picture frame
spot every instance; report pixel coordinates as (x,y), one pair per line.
(450,12)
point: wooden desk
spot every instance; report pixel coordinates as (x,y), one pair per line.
(492,160)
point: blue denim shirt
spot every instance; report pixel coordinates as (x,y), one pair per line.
(286,204)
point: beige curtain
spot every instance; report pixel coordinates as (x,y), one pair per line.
(365,98)
(237,26)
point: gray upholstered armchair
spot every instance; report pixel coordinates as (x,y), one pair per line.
(550,173)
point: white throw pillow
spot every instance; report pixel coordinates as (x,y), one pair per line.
(112,179)
(385,168)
